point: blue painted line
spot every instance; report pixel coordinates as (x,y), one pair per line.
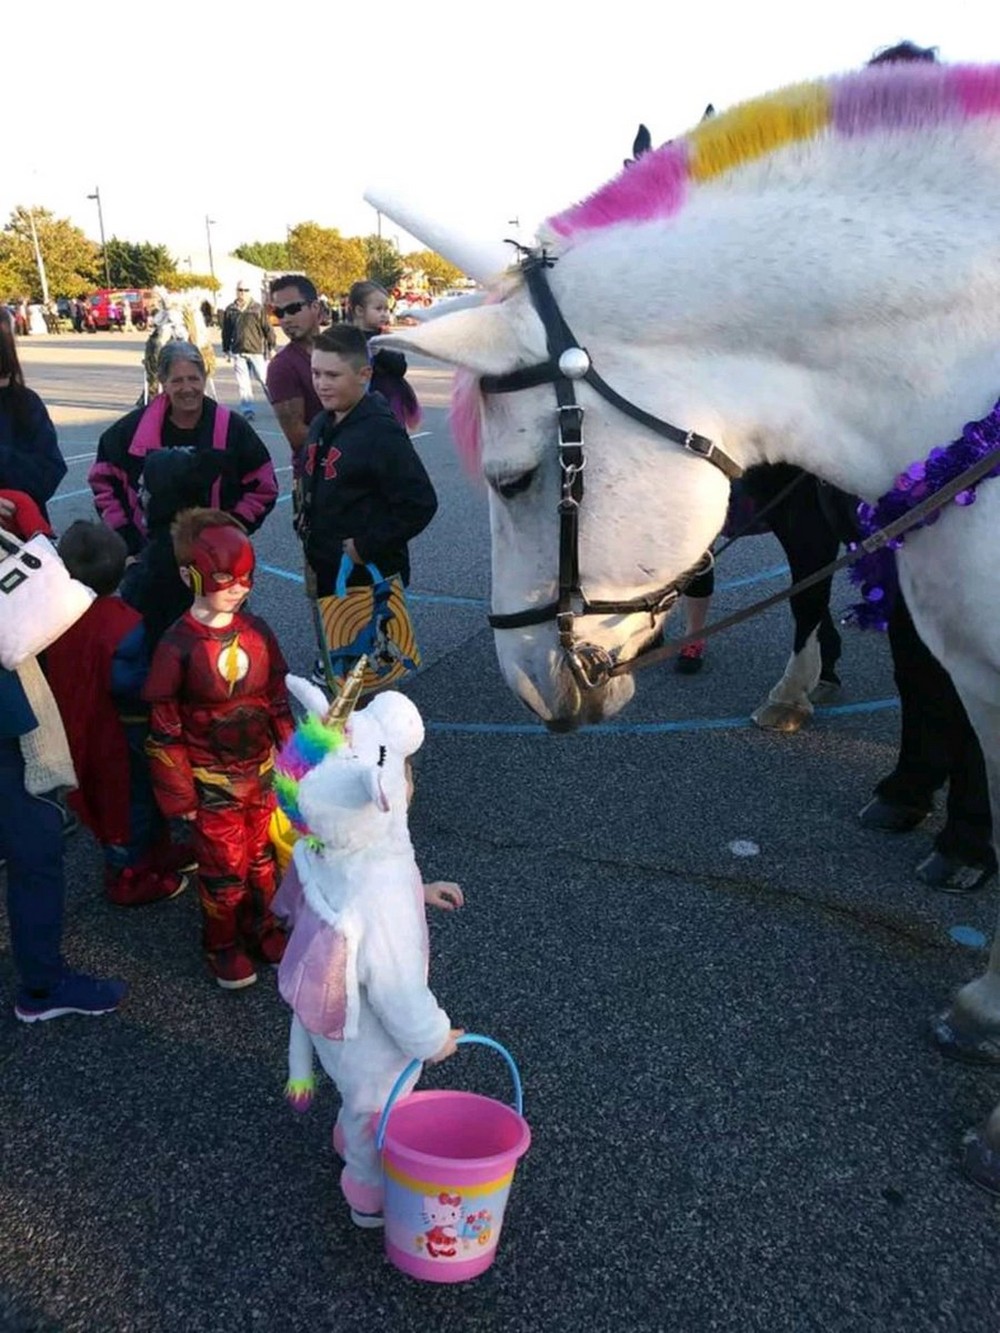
(280,573)
(640,728)
(747,580)
(969,936)
(867,706)
(70,495)
(432,598)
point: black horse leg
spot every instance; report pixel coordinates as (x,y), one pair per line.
(809,543)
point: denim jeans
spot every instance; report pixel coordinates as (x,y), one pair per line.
(31,842)
(246,365)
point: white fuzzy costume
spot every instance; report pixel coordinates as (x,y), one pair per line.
(355,971)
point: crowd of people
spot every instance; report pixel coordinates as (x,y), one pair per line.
(178,462)
(170,697)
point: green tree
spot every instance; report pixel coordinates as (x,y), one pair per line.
(383,262)
(140,264)
(332,261)
(438,271)
(181,282)
(270,255)
(72,263)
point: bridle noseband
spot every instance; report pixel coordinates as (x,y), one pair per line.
(568,362)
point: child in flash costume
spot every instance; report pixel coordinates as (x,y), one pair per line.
(218,708)
(355,971)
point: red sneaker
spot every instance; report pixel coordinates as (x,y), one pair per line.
(271,945)
(231,968)
(691,658)
(137,886)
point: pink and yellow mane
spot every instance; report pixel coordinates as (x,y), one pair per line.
(882,99)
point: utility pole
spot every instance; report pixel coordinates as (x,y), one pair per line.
(38,257)
(209,224)
(104,249)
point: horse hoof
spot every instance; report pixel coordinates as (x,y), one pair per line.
(981,1164)
(787,718)
(959,1040)
(825,692)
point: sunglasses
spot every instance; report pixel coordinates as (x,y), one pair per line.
(292,308)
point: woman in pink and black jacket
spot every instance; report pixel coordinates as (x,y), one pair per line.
(239,473)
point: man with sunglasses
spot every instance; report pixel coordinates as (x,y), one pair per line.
(296,306)
(247,340)
(289,376)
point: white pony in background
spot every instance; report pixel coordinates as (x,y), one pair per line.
(820,271)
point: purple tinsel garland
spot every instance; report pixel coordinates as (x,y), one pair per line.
(875,573)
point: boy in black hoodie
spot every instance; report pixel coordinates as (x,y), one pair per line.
(366,493)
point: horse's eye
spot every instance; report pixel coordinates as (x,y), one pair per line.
(515,485)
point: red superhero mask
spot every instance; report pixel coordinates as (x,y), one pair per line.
(220,557)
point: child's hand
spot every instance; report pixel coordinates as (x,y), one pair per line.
(449,1048)
(443,893)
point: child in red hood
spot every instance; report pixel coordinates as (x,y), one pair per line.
(96,671)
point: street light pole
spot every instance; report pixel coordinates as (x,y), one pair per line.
(38,257)
(210,224)
(104,248)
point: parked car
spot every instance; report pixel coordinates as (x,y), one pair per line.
(101,303)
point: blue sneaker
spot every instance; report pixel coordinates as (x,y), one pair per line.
(73,994)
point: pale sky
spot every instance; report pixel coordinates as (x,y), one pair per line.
(264,115)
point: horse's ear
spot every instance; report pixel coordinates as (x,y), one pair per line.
(709,112)
(643,142)
(490,340)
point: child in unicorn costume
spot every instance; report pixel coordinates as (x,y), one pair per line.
(355,970)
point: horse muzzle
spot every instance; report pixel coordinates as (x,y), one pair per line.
(565,688)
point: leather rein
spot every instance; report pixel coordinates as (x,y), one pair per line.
(593,666)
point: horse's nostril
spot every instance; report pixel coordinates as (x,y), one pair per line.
(512,486)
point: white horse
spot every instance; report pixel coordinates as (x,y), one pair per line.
(820,279)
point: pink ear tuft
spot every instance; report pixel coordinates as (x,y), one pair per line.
(466,419)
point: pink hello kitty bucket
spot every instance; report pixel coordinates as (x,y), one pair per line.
(448,1161)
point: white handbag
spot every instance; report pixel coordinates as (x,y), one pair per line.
(39,599)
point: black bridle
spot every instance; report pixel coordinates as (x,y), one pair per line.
(568,362)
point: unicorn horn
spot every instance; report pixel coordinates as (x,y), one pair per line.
(477,257)
(343,706)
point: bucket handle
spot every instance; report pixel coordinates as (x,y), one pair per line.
(470,1038)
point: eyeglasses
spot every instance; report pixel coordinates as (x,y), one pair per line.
(242,289)
(292,308)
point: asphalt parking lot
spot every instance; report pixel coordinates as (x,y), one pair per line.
(716,986)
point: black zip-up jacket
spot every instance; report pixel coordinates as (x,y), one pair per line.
(363,479)
(247,330)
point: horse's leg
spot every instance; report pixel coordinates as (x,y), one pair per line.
(830,647)
(801,527)
(970,1028)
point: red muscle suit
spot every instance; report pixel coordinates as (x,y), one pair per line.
(218,709)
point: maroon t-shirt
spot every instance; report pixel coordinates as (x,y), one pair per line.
(289,375)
